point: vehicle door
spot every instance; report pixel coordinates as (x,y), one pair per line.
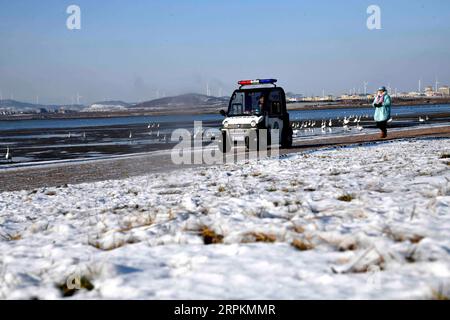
(274,114)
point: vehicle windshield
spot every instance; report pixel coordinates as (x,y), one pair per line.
(247,103)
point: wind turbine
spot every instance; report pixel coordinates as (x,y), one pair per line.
(207,89)
(78,98)
(365,87)
(420,85)
(437,84)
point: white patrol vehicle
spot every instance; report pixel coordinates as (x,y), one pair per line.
(256,110)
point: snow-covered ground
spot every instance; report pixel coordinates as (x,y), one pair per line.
(281,228)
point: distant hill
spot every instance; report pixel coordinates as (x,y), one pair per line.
(185,101)
(21,106)
(18,106)
(191,102)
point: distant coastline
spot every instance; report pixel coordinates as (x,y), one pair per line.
(212,110)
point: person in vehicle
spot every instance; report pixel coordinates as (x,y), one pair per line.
(382,105)
(260,106)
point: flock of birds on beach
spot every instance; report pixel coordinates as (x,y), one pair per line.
(309,126)
(154,132)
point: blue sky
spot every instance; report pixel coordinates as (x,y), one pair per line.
(130,49)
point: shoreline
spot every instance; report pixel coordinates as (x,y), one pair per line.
(298,106)
(27,178)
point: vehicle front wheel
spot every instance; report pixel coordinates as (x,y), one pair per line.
(287,140)
(224,145)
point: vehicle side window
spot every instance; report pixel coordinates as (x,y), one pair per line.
(237,104)
(275,103)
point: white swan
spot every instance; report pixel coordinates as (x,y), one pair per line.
(323,126)
(346,121)
(359,127)
(8,155)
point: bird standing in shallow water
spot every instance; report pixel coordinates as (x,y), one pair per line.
(323,126)
(8,155)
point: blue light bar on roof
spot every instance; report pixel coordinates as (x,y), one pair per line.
(264,81)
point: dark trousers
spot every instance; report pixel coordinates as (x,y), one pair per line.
(382,125)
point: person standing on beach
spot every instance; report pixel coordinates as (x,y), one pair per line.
(382,104)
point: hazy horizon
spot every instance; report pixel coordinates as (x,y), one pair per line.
(133,51)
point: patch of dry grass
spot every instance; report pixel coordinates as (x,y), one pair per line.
(302,245)
(346,197)
(398,236)
(84,284)
(298,228)
(11,236)
(259,237)
(439,295)
(210,236)
(340,243)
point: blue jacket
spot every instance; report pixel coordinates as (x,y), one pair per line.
(382,113)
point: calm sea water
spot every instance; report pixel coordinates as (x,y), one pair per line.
(136,120)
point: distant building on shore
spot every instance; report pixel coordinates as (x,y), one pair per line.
(444,90)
